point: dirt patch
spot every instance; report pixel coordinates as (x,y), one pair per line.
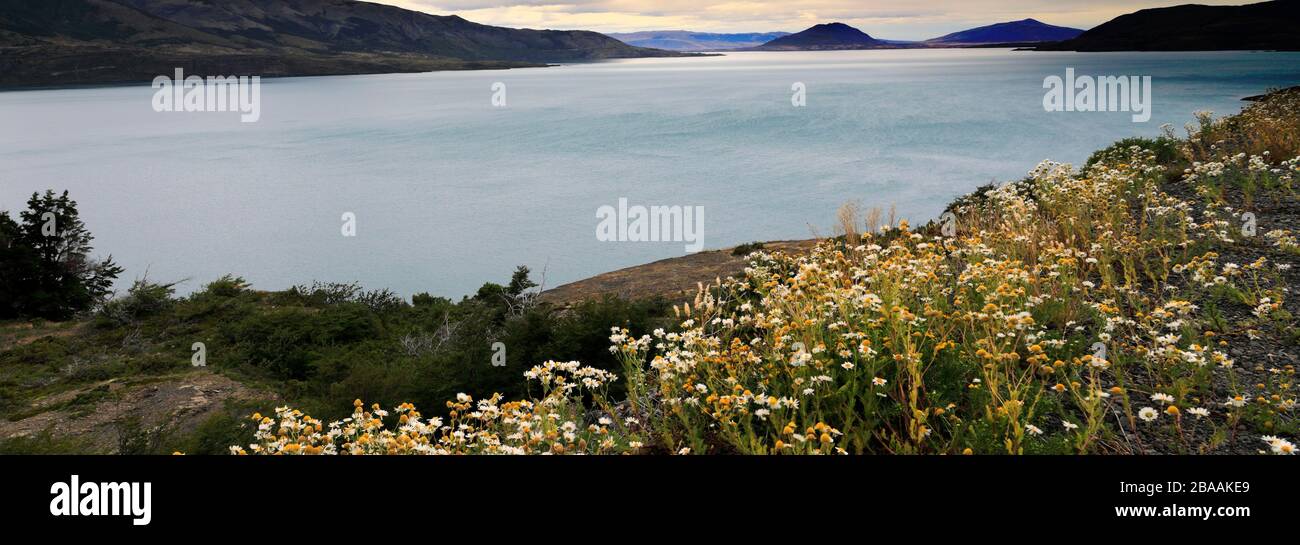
(175,402)
(674,279)
(22,333)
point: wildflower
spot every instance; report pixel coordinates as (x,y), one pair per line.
(1033,430)
(878,381)
(1069,426)
(1279,446)
(1162,398)
(1148,414)
(1198,412)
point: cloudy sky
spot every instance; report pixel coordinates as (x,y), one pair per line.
(890,19)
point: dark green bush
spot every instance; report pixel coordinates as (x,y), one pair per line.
(142,300)
(216,433)
(1165,149)
(746,249)
(321,346)
(226,286)
(45,266)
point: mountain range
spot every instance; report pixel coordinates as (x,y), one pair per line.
(45,42)
(59,42)
(1266,25)
(824,37)
(842,36)
(1023,31)
(684,40)
(1273,25)
(839,36)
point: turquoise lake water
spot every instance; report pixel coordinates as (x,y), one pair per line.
(449,191)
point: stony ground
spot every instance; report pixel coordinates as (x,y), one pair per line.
(94,415)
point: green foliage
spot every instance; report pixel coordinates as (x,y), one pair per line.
(519,282)
(319,346)
(135,438)
(979,198)
(215,434)
(44,443)
(45,265)
(1164,147)
(323,294)
(426,300)
(142,300)
(746,249)
(226,286)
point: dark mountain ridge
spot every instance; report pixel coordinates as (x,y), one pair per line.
(1193,27)
(839,36)
(98,41)
(1023,31)
(825,37)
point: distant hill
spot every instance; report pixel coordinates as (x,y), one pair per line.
(830,36)
(1267,25)
(683,40)
(97,41)
(1024,31)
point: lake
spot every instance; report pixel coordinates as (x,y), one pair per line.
(450,191)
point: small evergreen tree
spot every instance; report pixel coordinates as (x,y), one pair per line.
(519,282)
(16,260)
(45,257)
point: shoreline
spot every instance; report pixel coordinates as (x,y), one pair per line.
(492,65)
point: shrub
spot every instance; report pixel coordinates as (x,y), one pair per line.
(144,299)
(746,249)
(216,433)
(226,286)
(45,266)
(1164,148)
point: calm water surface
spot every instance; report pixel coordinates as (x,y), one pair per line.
(450,192)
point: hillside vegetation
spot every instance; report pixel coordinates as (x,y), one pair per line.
(124,380)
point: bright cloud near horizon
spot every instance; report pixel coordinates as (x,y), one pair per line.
(888,19)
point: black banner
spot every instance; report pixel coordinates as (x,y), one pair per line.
(238,497)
